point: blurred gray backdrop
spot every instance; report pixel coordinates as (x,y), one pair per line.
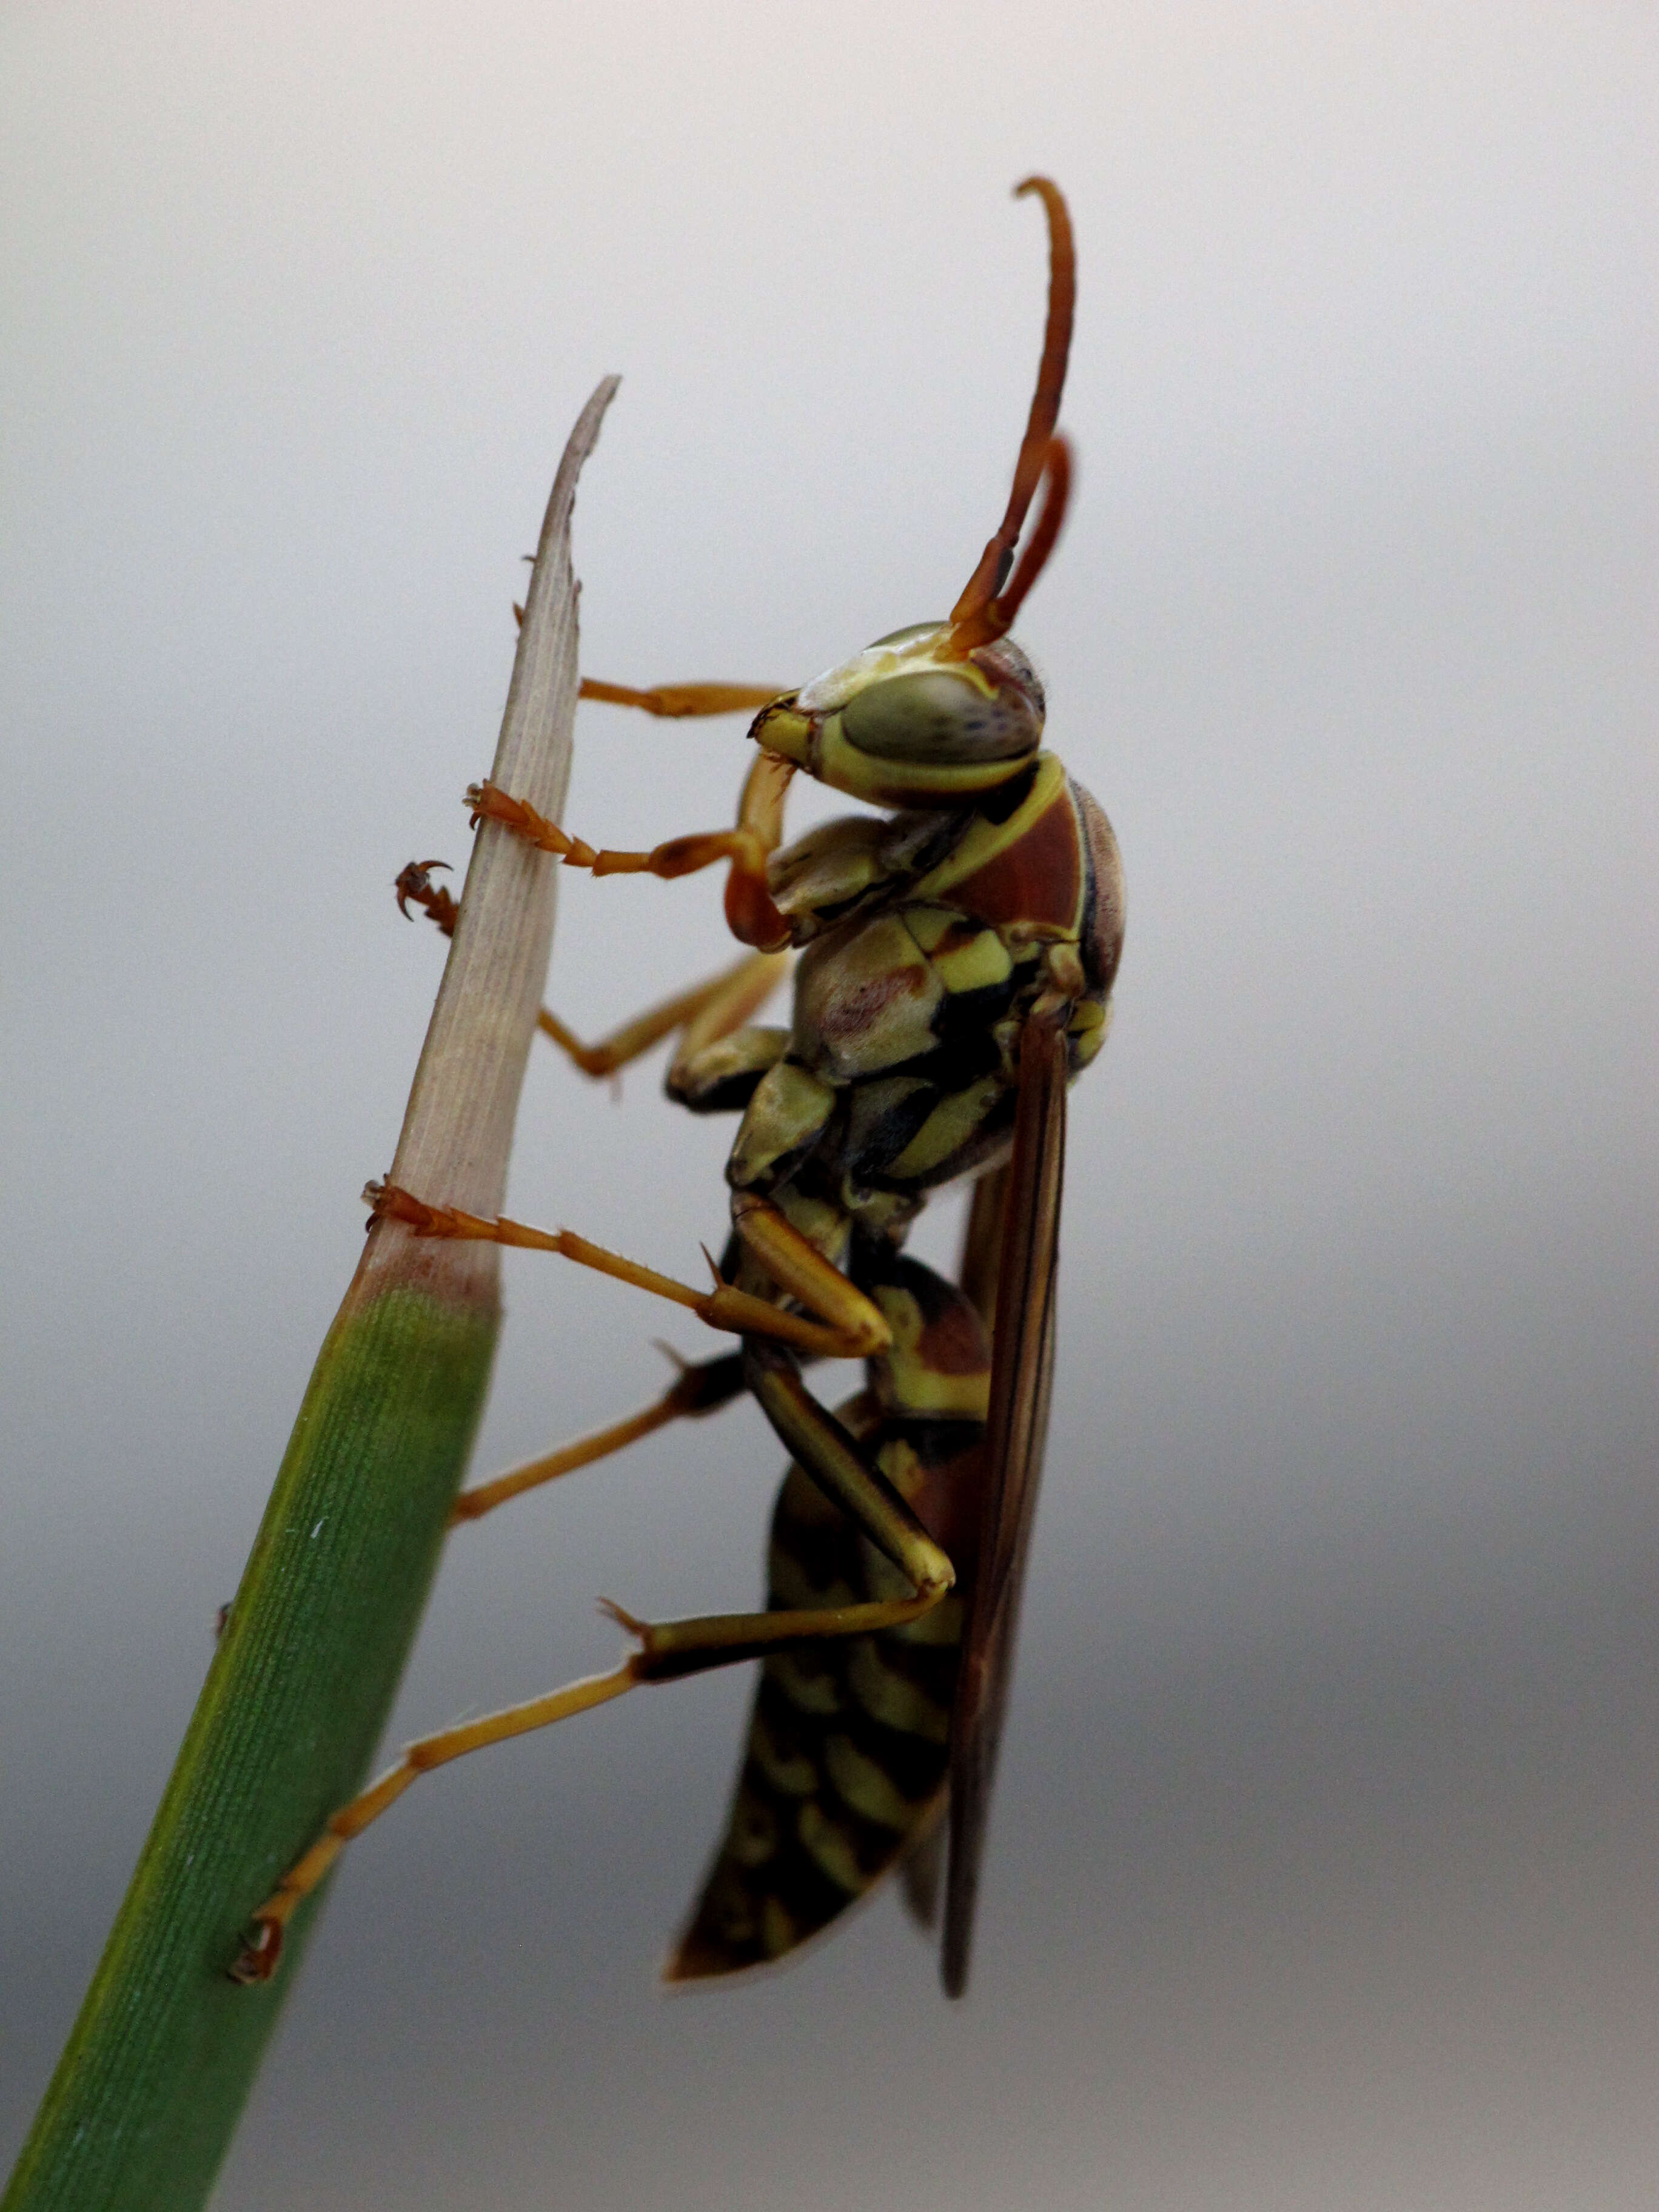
(1325,1864)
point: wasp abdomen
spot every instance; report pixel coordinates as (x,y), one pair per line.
(848,1741)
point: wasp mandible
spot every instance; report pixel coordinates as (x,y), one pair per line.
(956,953)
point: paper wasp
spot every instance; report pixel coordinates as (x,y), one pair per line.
(957,949)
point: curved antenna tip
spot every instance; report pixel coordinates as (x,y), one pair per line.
(977,611)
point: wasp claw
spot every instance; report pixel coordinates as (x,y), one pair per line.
(415,882)
(257,1960)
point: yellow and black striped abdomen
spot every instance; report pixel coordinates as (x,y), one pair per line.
(845,1765)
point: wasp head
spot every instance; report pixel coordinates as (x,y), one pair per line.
(912,719)
(944,710)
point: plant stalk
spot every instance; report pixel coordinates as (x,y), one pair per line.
(147,2095)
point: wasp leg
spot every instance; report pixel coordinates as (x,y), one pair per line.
(259,1961)
(415,882)
(831,1457)
(749,908)
(671,1650)
(706,1011)
(724,1307)
(795,1264)
(675,857)
(696,1390)
(668,1651)
(682,699)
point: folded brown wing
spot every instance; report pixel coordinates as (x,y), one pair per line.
(1021,1372)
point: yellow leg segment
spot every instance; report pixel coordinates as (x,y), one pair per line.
(678,856)
(668,1651)
(707,1011)
(682,699)
(259,1961)
(723,1308)
(749,909)
(472,1504)
(796,1265)
(695,1391)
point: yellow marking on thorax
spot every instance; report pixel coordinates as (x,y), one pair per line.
(985,839)
(947,1129)
(790,1105)
(973,963)
(976,966)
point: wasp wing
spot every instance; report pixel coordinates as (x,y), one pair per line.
(1022,1367)
(922,1875)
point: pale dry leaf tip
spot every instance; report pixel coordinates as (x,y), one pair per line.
(457,1128)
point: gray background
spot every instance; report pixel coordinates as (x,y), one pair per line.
(1325,1865)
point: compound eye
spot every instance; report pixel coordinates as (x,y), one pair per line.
(933,715)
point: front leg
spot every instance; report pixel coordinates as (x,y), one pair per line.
(750,912)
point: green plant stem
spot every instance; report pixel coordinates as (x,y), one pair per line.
(147,2094)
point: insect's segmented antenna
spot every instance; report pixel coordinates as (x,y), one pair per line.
(981,615)
(996,617)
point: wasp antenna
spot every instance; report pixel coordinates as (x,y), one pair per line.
(1036,448)
(996,617)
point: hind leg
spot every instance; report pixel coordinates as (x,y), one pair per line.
(667,1650)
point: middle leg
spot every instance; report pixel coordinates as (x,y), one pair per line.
(849,1326)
